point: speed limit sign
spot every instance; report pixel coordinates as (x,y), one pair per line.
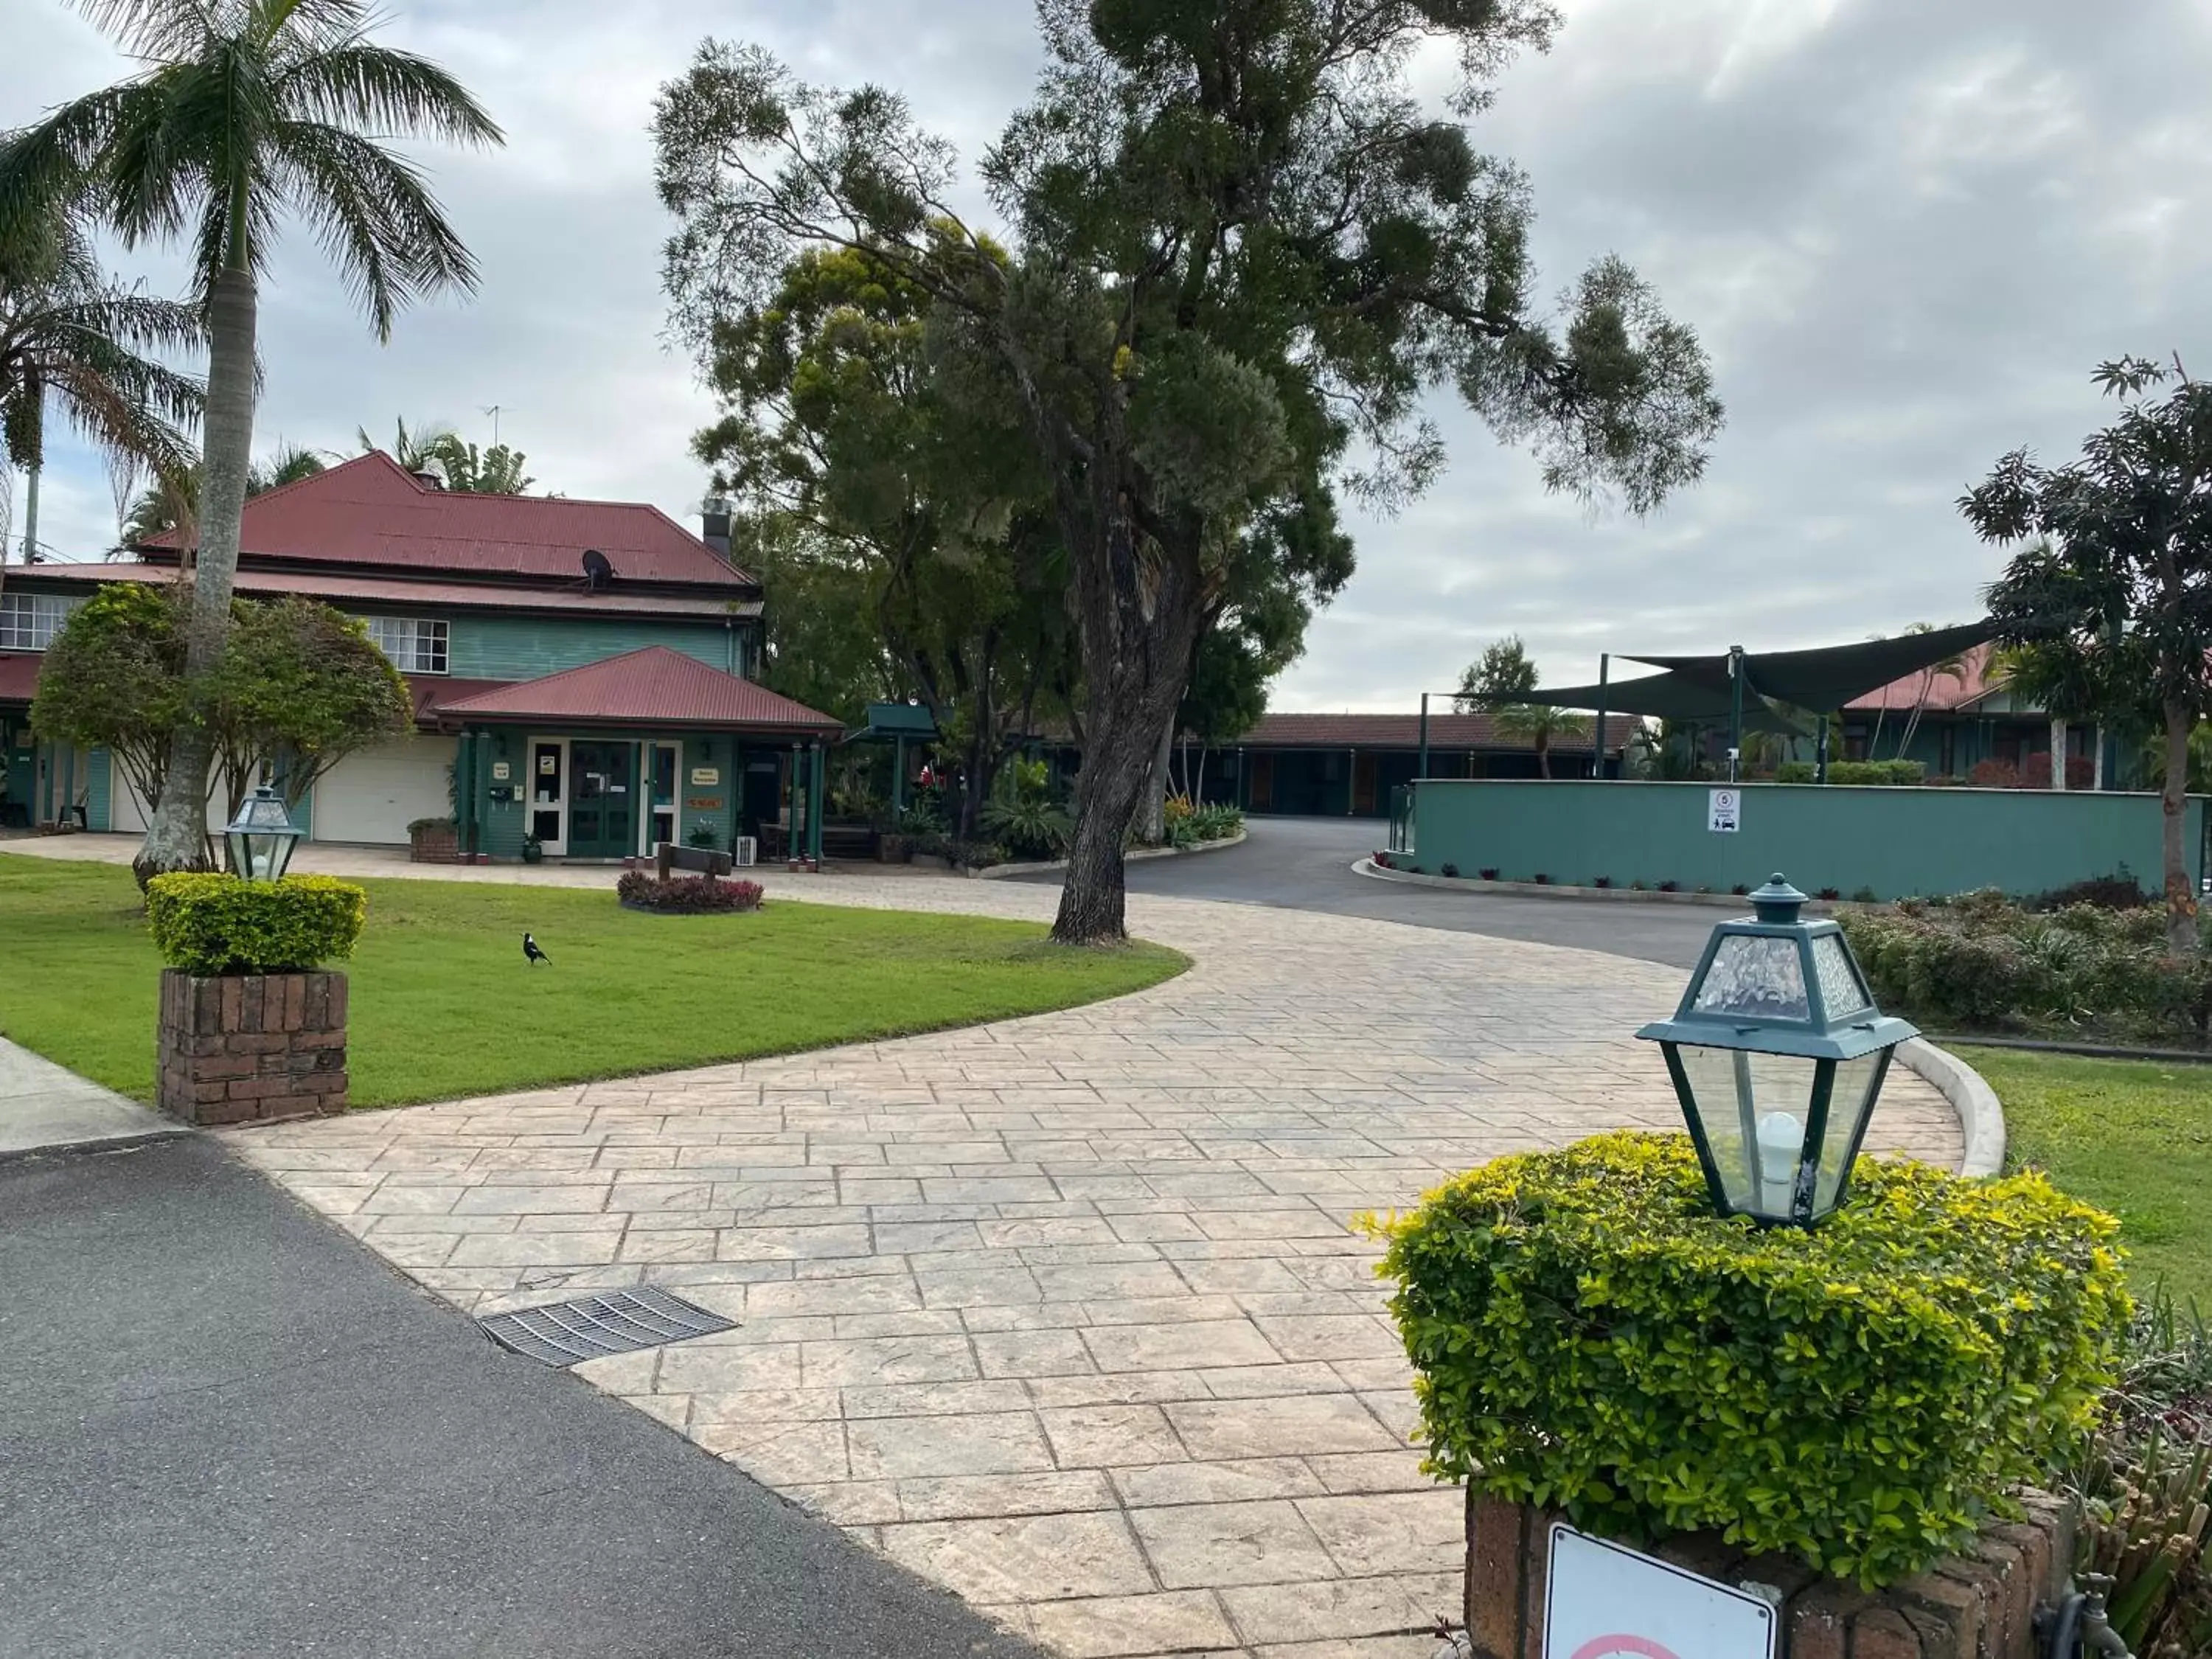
(1603,1601)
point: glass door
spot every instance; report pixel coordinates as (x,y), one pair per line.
(546,792)
(662,757)
(601,824)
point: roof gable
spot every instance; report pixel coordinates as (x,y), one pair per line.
(372,512)
(652,686)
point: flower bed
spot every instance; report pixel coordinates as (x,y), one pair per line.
(1590,1338)
(639,890)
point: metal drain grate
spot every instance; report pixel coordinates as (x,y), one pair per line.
(620,1321)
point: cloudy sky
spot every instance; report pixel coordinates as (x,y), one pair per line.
(1905,232)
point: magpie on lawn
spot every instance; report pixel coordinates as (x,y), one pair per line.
(532,954)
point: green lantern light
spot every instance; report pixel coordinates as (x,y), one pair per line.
(1777,1054)
(261,837)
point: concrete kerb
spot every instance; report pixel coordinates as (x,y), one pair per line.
(1981,1116)
(1001,871)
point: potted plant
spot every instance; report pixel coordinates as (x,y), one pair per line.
(250,1029)
(533,850)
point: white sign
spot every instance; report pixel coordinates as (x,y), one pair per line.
(704,776)
(500,771)
(1724,810)
(1604,1601)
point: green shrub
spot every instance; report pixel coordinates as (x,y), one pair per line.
(641,889)
(1980,962)
(1590,1337)
(1892,773)
(217,924)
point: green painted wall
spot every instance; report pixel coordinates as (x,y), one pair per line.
(99,770)
(503,823)
(523,647)
(1895,841)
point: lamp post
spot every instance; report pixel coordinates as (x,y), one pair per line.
(261,837)
(1777,1054)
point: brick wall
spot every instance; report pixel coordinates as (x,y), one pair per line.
(251,1047)
(1980,1605)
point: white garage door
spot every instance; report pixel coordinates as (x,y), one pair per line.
(374,795)
(127,811)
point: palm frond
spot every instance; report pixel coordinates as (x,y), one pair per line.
(154,28)
(360,85)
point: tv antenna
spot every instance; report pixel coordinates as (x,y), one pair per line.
(493,410)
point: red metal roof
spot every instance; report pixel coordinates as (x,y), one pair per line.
(1446,731)
(654,686)
(19,675)
(371,510)
(1933,689)
(401,590)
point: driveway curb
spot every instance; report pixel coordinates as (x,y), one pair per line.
(1004,872)
(1375,871)
(1981,1114)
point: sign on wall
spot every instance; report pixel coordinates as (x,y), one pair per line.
(706,776)
(1605,1602)
(1724,810)
(501,771)
(703,804)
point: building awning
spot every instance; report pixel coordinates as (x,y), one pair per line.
(1821,681)
(19,675)
(654,687)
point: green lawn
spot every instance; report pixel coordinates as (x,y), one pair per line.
(443,1004)
(2131,1136)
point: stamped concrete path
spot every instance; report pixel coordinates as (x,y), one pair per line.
(1063,1312)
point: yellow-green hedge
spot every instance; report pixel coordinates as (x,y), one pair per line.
(216,924)
(1590,1337)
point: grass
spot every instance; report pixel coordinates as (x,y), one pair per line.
(2132,1137)
(443,1005)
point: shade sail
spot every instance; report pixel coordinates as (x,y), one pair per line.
(1821,680)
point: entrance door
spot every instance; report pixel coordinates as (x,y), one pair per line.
(661,759)
(548,791)
(601,803)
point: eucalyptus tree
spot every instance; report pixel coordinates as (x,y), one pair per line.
(75,340)
(1241,250)
(246,112)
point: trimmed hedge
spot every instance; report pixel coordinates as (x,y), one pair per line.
(1982,963)
(1591,1337)
(1894,773)
(686,895)
(210,924)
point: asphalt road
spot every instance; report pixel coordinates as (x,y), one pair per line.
(226,1430)
(1305,864)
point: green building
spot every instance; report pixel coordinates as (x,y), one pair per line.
(581,672)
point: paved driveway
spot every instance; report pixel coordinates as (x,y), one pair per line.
(1065,1312)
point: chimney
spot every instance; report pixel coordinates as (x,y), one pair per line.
(714,525)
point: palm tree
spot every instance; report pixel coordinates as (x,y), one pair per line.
(1539,724)
(247,110)
(1952,668)
(71,335)
(415,451)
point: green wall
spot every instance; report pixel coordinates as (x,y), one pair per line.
(485,648)
(503,823)
(1894,841)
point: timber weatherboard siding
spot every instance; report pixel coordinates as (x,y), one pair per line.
(1897,842)
(486,648)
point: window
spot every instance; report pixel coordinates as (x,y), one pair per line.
(416,645)
(28,622)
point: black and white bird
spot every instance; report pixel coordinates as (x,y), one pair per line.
(532,954)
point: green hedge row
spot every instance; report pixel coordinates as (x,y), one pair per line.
(1590,1337)
(1891,772)
(1982,963)
(218,924)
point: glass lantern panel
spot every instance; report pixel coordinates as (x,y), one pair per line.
(1754,974)
(1848,1103)
(263,812)
(1752,1109)
(1841,993)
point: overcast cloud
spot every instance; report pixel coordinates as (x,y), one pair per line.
(1905,232)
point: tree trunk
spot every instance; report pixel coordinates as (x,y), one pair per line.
(1154,829)
(1543,754)
(2058,756)
(2097,763)
(2181,936)
(177,839)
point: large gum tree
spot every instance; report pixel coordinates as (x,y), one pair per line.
(247,112)
(1241,252)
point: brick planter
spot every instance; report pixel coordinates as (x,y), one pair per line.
(441,844)
(251,1047)
(1980,1606)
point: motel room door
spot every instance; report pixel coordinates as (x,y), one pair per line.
(602,800)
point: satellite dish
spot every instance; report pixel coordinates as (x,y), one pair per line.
(599,575)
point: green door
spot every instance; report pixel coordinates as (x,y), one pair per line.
(602,801)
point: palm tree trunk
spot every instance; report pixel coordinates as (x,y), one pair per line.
(177,839)
(2058,756)
(2181,933)
(2097,767)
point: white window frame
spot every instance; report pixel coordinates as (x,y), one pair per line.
(28,622)
(428,642)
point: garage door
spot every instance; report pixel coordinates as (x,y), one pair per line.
(374,795)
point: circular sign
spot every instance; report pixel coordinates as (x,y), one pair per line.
(1623,1647)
